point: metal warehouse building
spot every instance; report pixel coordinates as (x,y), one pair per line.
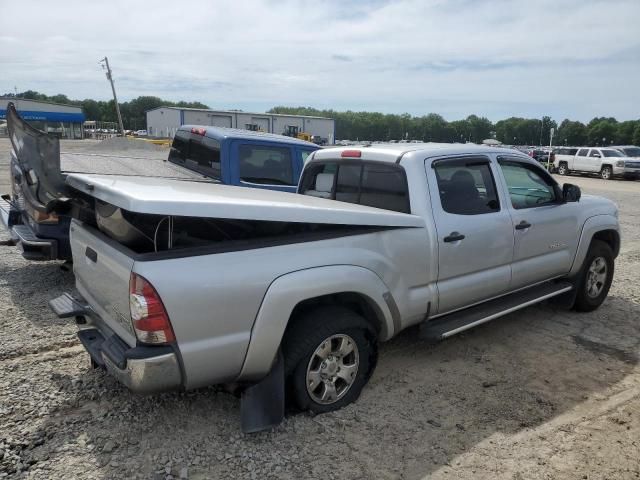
(164,121)
(64,121)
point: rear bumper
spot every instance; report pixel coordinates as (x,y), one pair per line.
(34,247)
(141,369)
(9,217)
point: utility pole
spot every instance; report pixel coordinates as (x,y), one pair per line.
(105,66)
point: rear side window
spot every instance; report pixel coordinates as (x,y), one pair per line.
(372,184)
(583,152)
(466,187)
(266,165)
(197,153)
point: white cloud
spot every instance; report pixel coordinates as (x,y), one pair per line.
(491,57)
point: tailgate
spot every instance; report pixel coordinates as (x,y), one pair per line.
(102,270)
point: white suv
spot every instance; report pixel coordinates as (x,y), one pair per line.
(608,162)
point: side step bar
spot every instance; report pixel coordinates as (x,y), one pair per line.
(446,326)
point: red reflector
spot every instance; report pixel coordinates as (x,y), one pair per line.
(148,315)
(351,154)
(199,131)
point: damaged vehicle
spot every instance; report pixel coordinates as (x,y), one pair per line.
(37,212)
(184,284)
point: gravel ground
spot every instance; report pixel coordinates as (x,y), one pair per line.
(540,394)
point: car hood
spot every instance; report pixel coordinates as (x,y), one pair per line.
(598,205)
(162,196)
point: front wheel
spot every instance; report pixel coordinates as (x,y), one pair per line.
(606,173)
(595,278)
(329,355)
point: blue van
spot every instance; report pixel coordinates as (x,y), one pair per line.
(241,157)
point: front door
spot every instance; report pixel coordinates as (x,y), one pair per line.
(475,233)
(594,163)
(546,229)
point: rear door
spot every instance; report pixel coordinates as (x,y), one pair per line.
(475,233)
(546,229)
(581,160)
(269,165)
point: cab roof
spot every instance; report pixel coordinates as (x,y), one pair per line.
(392,152)
(221,133)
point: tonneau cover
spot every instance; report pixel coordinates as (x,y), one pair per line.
(163,196)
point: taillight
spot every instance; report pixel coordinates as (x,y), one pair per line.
(150,320)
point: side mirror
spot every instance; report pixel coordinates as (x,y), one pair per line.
(571,193)
(596,155)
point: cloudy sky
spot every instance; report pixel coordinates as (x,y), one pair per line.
(497,58)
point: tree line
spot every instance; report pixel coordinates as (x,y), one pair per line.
(379,126)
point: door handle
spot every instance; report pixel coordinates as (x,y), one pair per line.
(453,237)
(523,225)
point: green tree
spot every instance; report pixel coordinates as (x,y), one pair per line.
(572,133)
(601,131)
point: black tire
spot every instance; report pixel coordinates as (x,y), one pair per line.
(307,333)
(606,173)
(563,169)
(584,301)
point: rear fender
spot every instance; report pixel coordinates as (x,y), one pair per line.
(289,290)
(592,226)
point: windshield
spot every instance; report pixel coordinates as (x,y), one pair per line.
(612,153)
(631,151)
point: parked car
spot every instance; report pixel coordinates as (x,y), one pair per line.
(630,151)
(541,155)
(234,157)
(140,133)
(607,162)
(185,284)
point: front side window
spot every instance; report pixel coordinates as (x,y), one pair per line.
(583,152)
(266,165)
(305,154)
(466,187)
(528,186)
(594,153)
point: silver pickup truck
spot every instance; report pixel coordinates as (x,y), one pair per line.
(186,284)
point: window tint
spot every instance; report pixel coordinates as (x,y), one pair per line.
(348,184)
(528,186)
(583,152)
(594,153)
(197,153)
(466,187)
(611,153)
(566,151)
(374,185)
(266,165)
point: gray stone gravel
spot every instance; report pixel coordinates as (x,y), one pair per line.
(541,394)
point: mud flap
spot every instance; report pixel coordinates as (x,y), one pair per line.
(262,404)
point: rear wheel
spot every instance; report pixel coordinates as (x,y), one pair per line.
(606,172)
(595,278)
(562,169)
(329,355)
